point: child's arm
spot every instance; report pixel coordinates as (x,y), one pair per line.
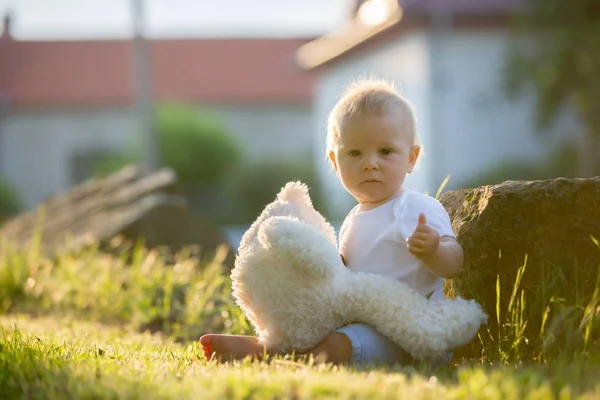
(443,256)
(446,261)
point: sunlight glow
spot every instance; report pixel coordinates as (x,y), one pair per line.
(375,12)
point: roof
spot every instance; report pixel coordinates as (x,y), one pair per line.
(410,14)
(68,73)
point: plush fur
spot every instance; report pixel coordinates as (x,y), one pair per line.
(291,283)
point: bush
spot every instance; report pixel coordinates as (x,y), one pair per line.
(10,202)
(257,184)
(193,143)
(197,146)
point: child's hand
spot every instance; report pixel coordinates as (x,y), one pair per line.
(424,241)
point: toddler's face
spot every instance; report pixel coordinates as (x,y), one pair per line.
(372,156)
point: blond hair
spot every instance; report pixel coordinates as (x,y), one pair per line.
(374,97)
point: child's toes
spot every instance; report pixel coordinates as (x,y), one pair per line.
(207,352)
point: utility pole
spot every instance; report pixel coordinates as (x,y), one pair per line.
(4,111)
(143,91)
(5,97)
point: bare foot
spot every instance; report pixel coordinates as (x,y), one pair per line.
(230,347)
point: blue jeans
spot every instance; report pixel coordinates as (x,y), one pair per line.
(371,347)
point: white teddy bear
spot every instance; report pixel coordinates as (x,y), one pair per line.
(291,283)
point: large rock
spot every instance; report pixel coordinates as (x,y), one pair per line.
(127,204)
(549,221)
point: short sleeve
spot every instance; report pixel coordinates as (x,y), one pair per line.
(411,205)
(345,223)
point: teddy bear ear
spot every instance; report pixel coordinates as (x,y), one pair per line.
(301,245)
(295,190)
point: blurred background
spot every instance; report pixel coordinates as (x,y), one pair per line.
(233,95)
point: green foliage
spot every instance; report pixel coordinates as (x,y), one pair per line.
(560,322)
(257,184)
(193,143)
(183,297)
(560,58)
(561,163)
(10,203)
(196,145)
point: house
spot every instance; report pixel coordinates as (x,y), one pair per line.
(64,102)
(447,56)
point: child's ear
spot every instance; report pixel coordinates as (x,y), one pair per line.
(333,162)
(413,157)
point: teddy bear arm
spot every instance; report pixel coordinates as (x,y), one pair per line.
(425,330)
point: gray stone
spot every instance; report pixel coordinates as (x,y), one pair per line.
(550,221)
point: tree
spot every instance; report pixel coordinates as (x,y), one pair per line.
(558,53)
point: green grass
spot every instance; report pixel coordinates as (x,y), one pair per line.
(93,325)
(184,297)
(51,358)
(557,318)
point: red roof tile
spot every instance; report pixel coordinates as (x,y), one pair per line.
(225,70)
(205,70)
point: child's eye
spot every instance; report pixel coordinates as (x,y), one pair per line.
(354,153)
(385,152)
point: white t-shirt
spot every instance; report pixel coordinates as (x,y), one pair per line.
(374,241)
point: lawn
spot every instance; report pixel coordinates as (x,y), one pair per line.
(93,325)
(52,358)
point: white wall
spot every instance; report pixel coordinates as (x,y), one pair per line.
(405,61)
(476,126)
(36,147)
(271,130)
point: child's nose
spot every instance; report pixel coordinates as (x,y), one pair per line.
(370,164)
